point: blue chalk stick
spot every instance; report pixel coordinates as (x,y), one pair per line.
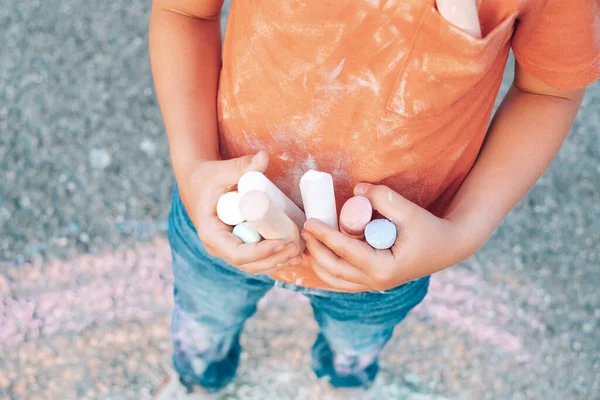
(381,234)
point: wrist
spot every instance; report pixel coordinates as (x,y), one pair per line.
(470,230)
(186,163)
(190,176)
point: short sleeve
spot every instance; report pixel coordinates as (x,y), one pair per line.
(558,42)
(209,9)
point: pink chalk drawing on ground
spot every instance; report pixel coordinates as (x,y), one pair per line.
(39,300)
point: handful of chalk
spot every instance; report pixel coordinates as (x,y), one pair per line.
(260,209)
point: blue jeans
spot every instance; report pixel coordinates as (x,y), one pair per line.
(213,300)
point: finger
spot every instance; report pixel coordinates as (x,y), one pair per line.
(218,236)
(334,265)
(337,283)
(231,170)
(388,202)
(297,259)
(356,252)
(259,162)
(283,259)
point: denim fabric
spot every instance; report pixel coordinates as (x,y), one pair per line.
(213,299)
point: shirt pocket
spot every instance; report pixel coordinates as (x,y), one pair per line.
(444,64)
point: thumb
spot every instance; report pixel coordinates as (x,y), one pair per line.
(388,202)
(232,170)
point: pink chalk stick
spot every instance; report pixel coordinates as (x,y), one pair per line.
(355,215)
(268,219)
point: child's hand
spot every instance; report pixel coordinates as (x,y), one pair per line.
(200,193)
(425,244)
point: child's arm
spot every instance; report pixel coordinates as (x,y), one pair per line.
(525,135)
(185,52)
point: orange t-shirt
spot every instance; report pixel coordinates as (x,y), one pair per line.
(384,91)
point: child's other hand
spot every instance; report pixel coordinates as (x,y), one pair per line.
(425,244)
(200,193)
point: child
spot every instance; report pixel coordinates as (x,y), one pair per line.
(390,98)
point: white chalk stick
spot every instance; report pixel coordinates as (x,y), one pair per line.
(228,209)
(268,220)
(246,233)
(318,197)
(462,14)
(381,233)
(255,180)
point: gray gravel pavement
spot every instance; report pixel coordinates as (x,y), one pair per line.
(84,277)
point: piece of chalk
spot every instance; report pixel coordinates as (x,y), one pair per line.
(254,180)
(381,233)
(268,220)
(228,209)
(355,215)
(318,197)
(462,14)
(246,233)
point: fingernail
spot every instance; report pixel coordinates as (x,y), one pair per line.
(316,226)
(304,226)
(304,236)
(258,155)
(296,260)
(361,188)
(278,248)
